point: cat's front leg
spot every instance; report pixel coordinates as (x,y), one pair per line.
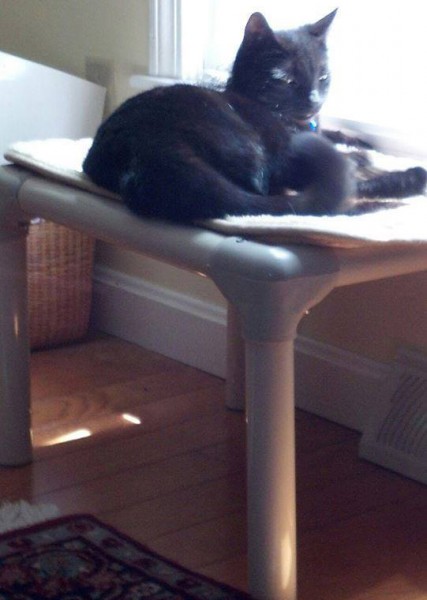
(395,184)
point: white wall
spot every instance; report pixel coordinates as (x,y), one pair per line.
(63,33)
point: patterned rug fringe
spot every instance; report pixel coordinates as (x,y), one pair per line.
(14,515)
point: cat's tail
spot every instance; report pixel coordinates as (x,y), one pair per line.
(184,187)
(396,184)
(323,176)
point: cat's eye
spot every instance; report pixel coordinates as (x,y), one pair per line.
(282,75)
(324,77)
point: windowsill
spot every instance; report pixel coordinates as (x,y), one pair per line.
(143,83)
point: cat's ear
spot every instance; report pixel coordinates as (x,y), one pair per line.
(320,28)
(257,26)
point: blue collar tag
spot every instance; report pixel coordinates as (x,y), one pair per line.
(313,125)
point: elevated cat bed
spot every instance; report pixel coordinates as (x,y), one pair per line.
(269,287)
(61,159)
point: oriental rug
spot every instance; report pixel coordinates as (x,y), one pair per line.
(81,558)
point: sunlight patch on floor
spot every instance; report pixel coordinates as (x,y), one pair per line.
(50,436)
(77,434)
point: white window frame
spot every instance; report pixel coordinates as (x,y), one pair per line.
(175,50)
(165,38)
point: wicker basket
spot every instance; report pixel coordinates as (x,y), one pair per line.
(60,263)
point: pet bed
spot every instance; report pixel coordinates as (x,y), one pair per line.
(406,222)
(268,288)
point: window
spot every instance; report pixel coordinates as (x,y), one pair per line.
(377,49)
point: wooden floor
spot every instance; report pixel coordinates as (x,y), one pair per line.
(176,480)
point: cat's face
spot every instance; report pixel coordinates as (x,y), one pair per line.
(286,70)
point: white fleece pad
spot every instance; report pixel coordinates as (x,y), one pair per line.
(61,159)
(57,158)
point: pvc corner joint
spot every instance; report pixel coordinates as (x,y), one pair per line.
(272,286)
(13,222)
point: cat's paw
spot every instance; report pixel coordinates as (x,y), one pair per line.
(417,179)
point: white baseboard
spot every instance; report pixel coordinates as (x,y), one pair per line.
(330,382)
(337,384)
(173,324)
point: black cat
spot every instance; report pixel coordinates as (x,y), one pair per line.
(186,152)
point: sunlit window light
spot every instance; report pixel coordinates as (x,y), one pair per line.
(131,419)
(70,437)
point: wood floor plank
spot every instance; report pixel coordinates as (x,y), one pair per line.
(144,482)
(312,434)
(95,363)
(167,514)
(99,414)
(212,541)
(55,410)
(343,499)
(233,571)
(378,554)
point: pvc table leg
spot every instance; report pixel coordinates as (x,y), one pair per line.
(271,291)
(235,381)
(271,470)
(15,437)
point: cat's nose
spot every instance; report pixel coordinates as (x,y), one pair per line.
(314,97)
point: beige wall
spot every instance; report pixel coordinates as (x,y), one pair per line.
(62,33)
(371,319)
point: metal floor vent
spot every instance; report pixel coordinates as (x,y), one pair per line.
(396,437)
